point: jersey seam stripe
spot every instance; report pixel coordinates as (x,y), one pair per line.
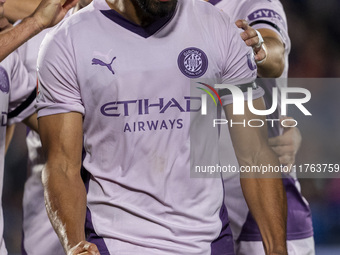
(23,106)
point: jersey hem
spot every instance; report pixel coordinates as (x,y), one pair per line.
(290,236)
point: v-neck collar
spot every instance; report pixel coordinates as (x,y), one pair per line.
(146,31)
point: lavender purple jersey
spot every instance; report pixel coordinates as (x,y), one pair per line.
(132,86)
(17,94)
(269,15)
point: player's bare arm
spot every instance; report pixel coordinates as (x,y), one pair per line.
(19,9)
(47,14)
(65,194)
(270,55)
(265,197)
(30,121)
(9,135)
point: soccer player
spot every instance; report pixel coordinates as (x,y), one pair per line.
(48,13)
(120,89)
(269,19)
(37,229)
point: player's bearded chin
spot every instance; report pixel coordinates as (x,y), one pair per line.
(157,8)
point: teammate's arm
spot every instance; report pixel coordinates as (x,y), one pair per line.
(19,9)
(265,197)
(9,135)
(65,194)
(32,122)
(270,62)
(287,145)
(48,13)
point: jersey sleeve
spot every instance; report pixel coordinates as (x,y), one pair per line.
(58,89)
(22,92)
(239,67)
(269,15)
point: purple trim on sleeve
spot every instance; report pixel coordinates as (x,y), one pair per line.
(223,244)
(142,31)
(299,219)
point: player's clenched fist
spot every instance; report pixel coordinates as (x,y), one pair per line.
(84,248)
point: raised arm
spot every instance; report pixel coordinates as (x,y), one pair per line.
(19,9)
(65,193)
(47,14)
(265,197)
(270,57)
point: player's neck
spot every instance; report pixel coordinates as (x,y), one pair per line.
(131,11)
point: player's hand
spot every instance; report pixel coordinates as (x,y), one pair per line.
(4,24)
(249,36)
(50,12)
(84,248)
(287,145)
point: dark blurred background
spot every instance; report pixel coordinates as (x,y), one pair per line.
(314,28)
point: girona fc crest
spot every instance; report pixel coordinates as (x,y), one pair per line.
(193,62)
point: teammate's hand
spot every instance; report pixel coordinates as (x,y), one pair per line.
(50,12)
(287,145)
(249,36)
(84,248)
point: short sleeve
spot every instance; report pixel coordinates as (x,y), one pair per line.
(58,89)
(22,91)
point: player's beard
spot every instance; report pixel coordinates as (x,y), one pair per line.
(156,8)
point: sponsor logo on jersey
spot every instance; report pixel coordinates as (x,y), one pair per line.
(193,62)
(96,61)
(156,107)
(4,81)
(145,106)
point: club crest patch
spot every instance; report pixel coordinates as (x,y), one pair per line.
(251,61)
(4,81)
(193,62)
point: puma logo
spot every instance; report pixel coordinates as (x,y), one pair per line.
(96,61)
